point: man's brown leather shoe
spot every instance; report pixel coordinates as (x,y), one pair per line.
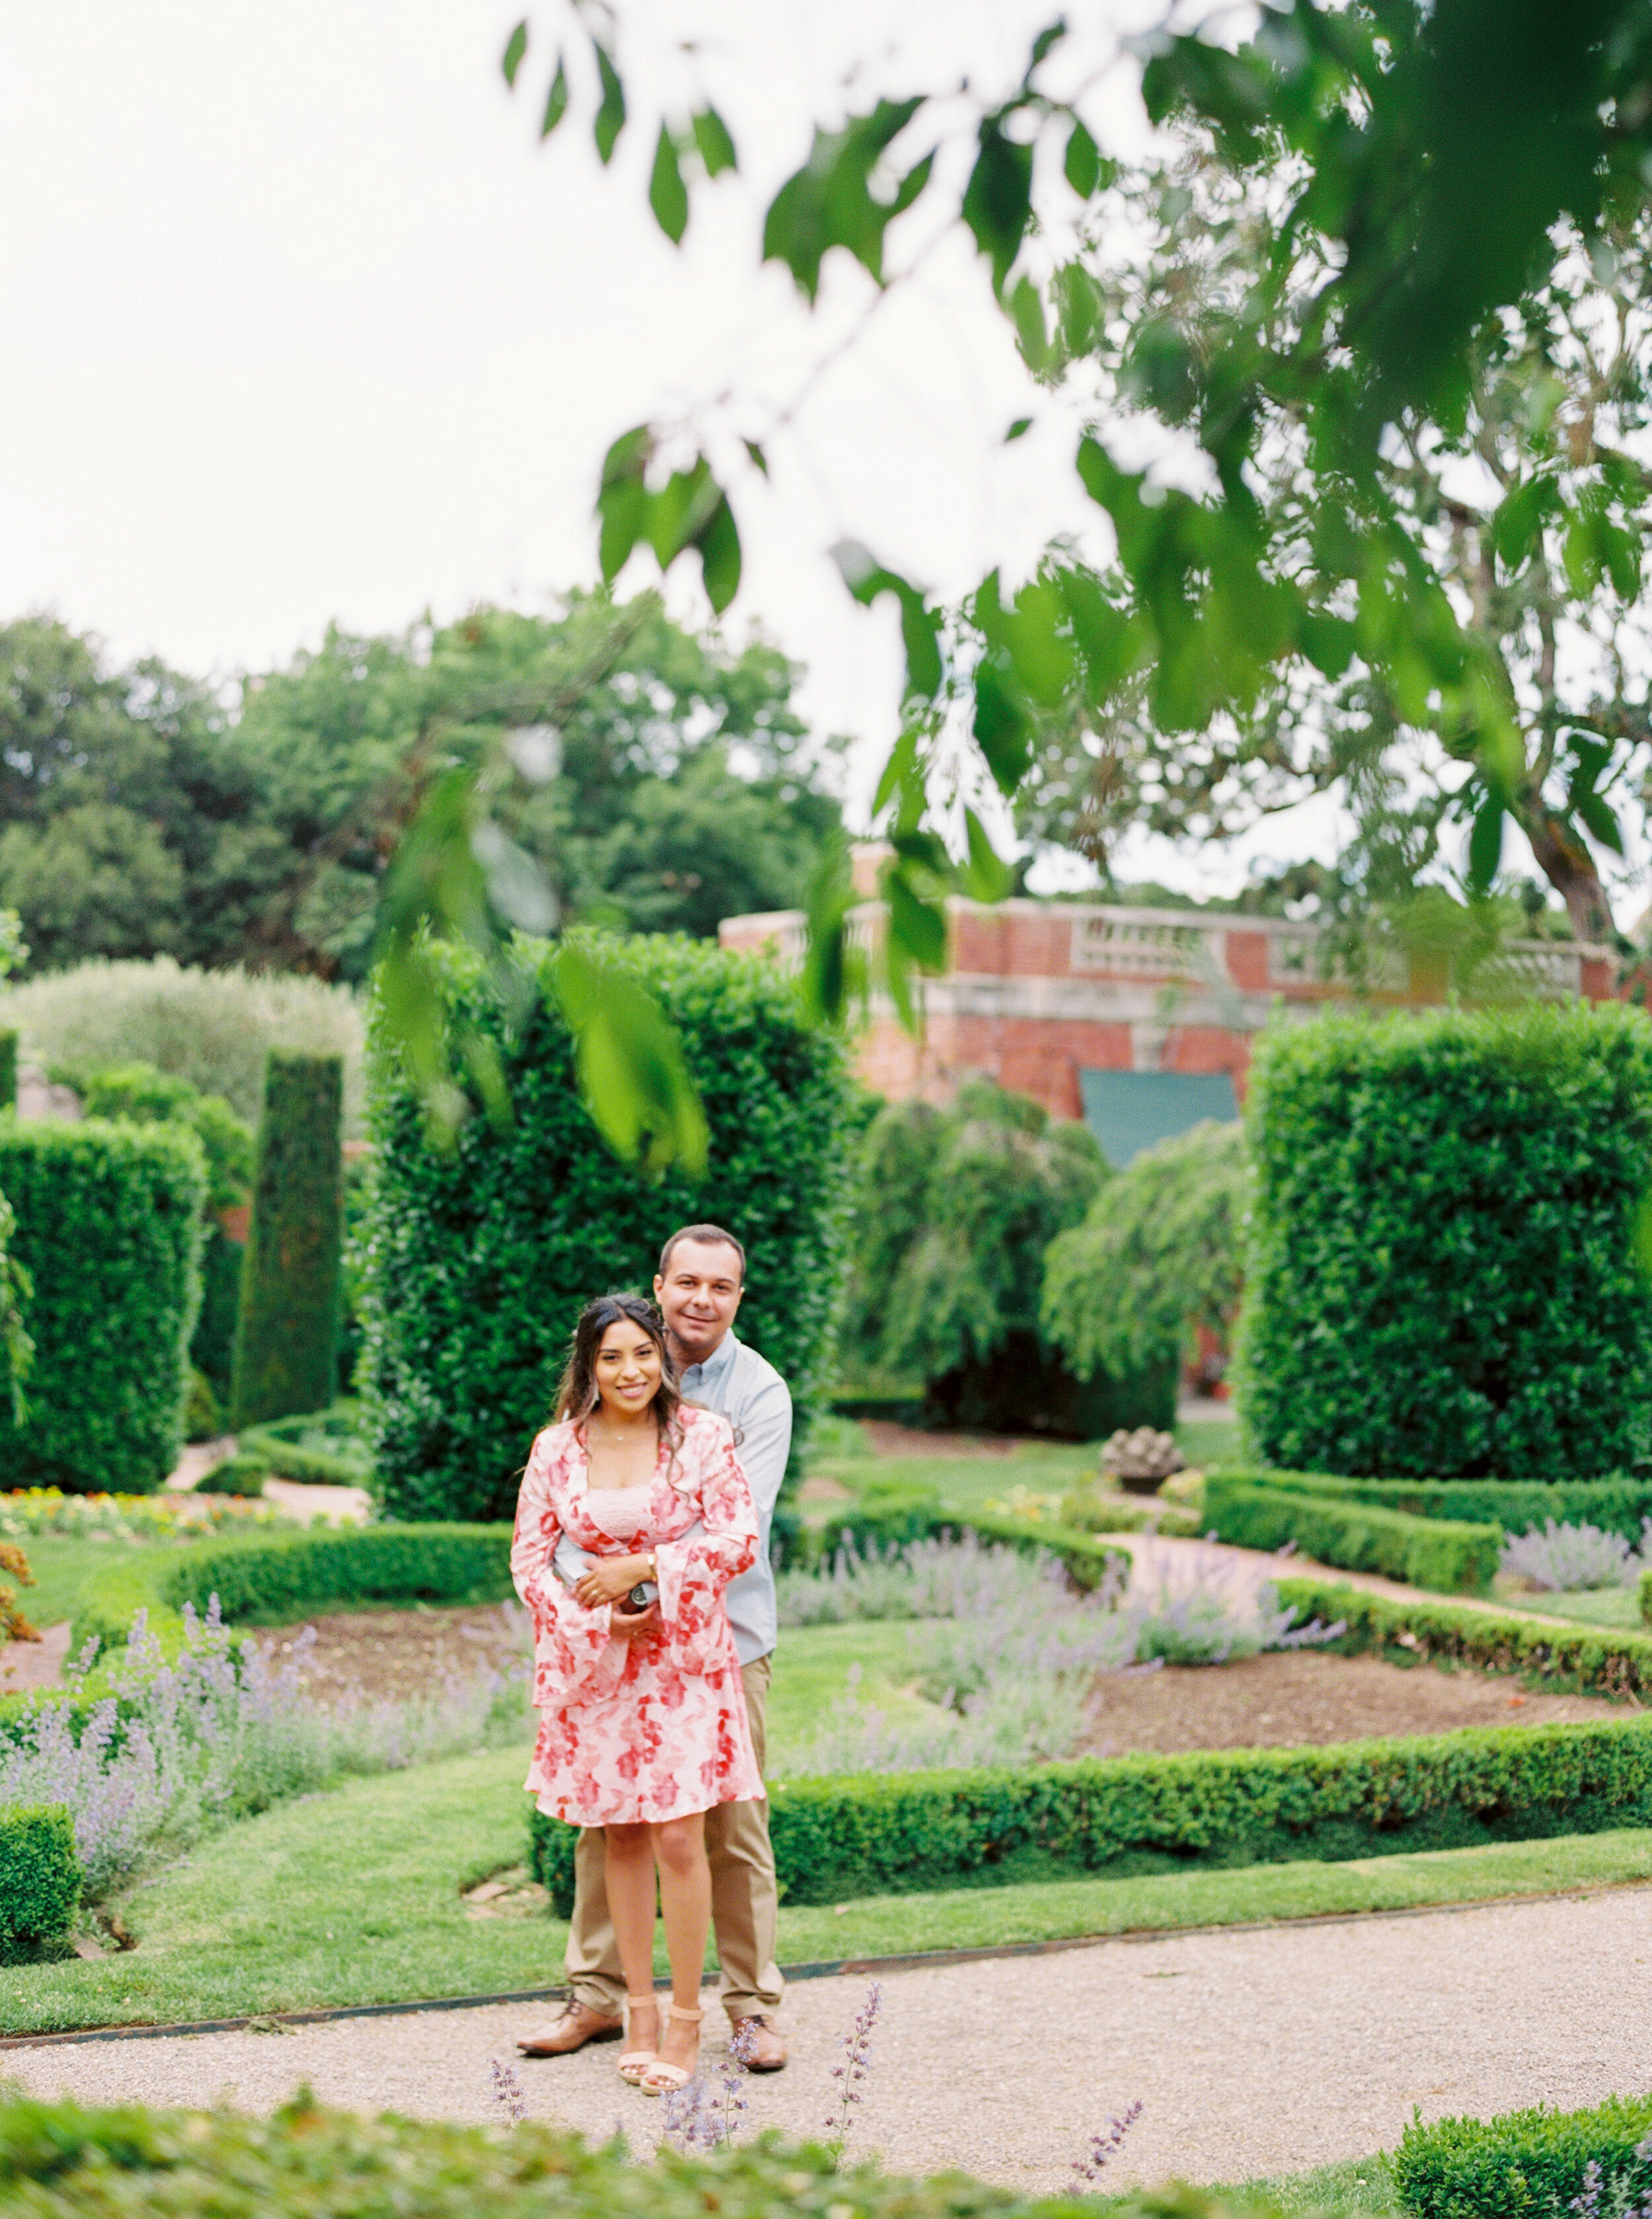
(578,2024)
(765,2052)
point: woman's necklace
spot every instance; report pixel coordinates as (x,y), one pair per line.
(623,1459)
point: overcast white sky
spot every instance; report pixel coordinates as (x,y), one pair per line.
(303,324)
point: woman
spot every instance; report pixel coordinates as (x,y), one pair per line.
(643,1725)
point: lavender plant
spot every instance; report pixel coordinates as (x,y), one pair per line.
(507,2092)
(854,2072)
(1101,2149)
(1625,2197)
(1568,1559)
(176,1747)
(1010,1659)
(705,2115)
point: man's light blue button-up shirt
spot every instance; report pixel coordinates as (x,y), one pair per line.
(745,1388)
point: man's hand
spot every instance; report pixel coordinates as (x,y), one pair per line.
(632,1625)
(609,1580)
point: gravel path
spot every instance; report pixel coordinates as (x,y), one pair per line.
(1253,2053)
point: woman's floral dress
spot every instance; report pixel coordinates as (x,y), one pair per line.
(654,1728)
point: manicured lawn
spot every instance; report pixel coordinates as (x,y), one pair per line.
(1597,1606)
(59,1563)
(812,1667)
(1362,2188)
(354,1897)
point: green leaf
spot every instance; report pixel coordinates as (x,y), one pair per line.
(828,202)
(917,927)
(515,46)
(667,195)
(1516,525)
(1603,825)
(866,578)
(556,101)
(622,500)
(716,146)
(1027,312)
(756,454)
(630,1063)
(986,876)
(998,198)
(1001,726)
(611,115)
(1485,843)
(719,553)
(1018,429)
(1083,163)
(1328,642)
(678,512)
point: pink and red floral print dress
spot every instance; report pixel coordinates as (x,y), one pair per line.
(652,1729)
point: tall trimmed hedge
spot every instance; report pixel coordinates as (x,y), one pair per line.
(478,1259)
(287,1334)
(109,1227)
(1442,1275)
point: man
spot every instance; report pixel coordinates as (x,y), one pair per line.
(699,1286)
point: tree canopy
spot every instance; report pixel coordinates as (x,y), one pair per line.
(138,815)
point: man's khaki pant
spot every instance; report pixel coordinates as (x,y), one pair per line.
(745,1899)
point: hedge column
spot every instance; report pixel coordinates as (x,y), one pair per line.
(287,1336)
(108,1228)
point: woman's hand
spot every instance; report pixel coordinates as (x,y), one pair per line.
(609,1580)
(632,1625)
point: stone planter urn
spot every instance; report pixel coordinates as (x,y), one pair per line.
(1140,1461)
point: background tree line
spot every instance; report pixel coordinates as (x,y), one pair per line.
(141,814)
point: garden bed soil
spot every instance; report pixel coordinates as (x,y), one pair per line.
(386,1655)
(1303,1696)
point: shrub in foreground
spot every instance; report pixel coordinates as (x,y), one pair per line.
(1439,1553)
(1442,1274)
(477,1259)
(39,1880)
(915,1831)
(77,2163)
(1526,2165)
(109,1228)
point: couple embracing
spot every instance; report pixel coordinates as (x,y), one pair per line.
(641,1553)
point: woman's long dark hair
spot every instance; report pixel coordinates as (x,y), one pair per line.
(576,1397)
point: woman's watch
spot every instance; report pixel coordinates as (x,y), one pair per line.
(646,1589)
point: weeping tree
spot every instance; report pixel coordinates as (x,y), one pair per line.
(957,1208)
(1157,1256)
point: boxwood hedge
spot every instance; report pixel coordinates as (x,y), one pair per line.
(1516,1505)
(1442,1274)
(479,1256)
(39,1880)
(109,1225)
(906,1832)
(269,1579)
(1444,1554)
(1593,1659)
(1524,2164)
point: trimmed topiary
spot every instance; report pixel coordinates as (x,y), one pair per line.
(39,1881)
(109,1228)
(1443,1276)
(287,1334)
(479,1257)
(1526,2163)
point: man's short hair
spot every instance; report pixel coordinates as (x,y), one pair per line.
(710,1235)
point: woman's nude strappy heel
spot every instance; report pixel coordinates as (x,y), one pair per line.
(636,2062)
(664,2080)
